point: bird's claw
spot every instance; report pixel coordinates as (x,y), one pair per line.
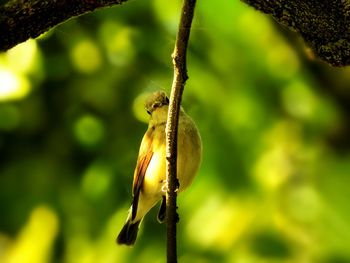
(165,186)
(177,184)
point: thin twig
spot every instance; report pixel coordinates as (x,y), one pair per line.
(180,77)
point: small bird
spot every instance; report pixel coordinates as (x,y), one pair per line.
(149,185)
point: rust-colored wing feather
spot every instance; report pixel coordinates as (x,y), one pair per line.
(145,156)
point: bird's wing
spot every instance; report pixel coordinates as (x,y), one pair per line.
(145,156)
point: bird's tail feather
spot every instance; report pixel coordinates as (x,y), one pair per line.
(128,234)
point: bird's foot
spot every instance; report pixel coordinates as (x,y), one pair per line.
(165,185)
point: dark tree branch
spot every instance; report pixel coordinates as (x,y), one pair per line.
(180,77)
(24,19)
(323,24)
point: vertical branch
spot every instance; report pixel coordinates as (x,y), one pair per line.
(180,77)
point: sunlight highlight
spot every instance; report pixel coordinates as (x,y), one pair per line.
(89,130)
(35,240)
(299,100)
(81,248)
(13,86)
(282,60)
(96,180)
(118,41)
(279,161)
(86,57)
(15,65)
(255,28)
(22,58)
(220,223)
(167,15)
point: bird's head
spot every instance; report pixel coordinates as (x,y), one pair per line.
(155,101)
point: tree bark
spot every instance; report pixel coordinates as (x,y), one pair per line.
(180,77)
(323,24)
(24,19)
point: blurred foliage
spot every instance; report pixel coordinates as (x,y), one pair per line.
(273,186)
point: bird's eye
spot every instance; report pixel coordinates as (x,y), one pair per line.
(156,105)
(149,112)
(167,100)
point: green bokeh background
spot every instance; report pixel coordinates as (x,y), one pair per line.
(274,181)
